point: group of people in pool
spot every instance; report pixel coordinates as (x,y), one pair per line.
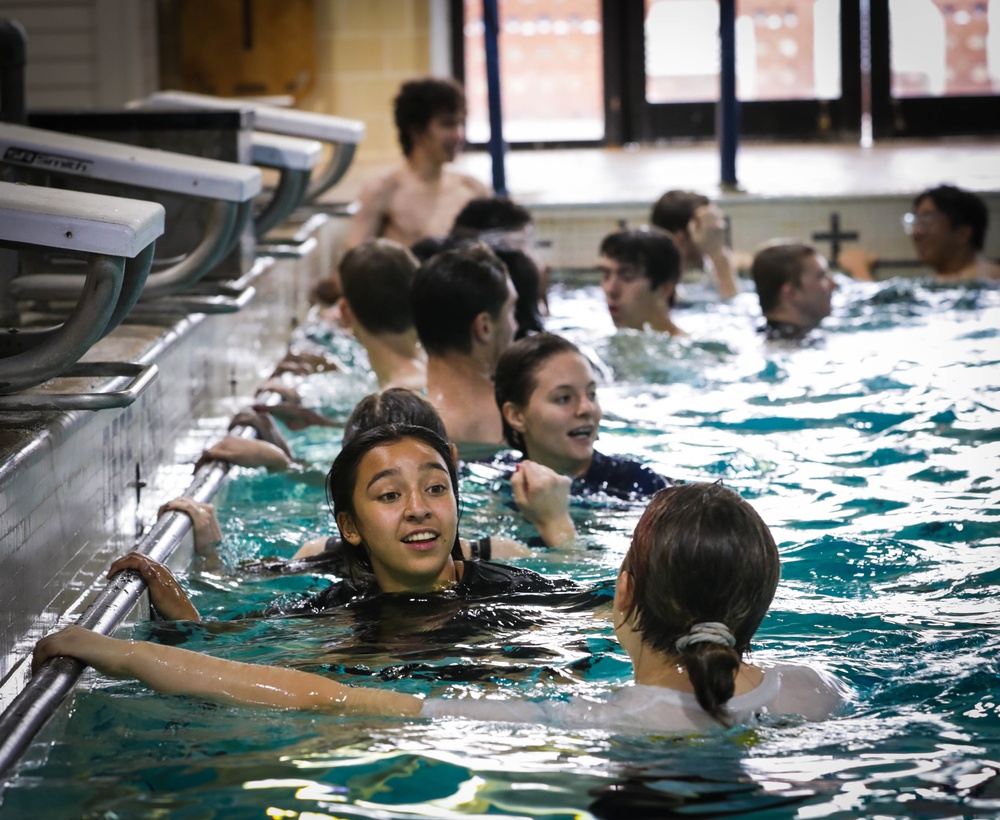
(465,326)
(693,587)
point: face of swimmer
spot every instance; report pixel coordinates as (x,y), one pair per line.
(811,300)
(936,242)
(632,301)
(559,422)
(442,139)
(405,514)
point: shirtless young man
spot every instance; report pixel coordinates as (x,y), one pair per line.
(699,228)
(639,271)
(376,277)
(463,307)
(422,197)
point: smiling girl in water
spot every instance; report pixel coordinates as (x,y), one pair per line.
(692,589)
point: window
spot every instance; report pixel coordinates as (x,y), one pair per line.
(551,63)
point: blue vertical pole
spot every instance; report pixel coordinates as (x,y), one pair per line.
(728,123)
(491,24)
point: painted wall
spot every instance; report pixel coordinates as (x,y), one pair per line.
(102,53)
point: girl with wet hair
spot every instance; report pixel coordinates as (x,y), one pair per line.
(692,590)
(546,391)
(677,599)
(394,493)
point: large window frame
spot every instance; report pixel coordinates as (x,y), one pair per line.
(630,118)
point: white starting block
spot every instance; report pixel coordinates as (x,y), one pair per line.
(230,186)
(341,133)
(294,158)
(105,232)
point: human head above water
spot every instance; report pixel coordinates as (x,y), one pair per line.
(492,216)
(341,481)
(700,554)
(961,208)
(674,210)
(516,379)
(776,264)
(651,251)
(397,405)
(420,101)
(376,277)
(452,289)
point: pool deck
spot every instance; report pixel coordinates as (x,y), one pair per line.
(790,190)
(595,176)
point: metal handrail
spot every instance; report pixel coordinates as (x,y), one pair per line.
(51,684)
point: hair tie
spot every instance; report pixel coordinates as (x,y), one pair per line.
(708,632)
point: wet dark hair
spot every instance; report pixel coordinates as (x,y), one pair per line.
(343,476)
(675,209)
(514,380)
(961,207)
(430,246)
(450,290)
(420,101)
(397,405)
(376,277)
(775,264)
(700,553)
(527,281)
(652,251)
(490,213)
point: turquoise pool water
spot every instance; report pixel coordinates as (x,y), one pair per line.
(873,455)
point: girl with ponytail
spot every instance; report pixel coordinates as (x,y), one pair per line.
(693,588)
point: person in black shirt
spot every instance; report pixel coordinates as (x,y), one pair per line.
(547,395)
(394,495)
(794,288)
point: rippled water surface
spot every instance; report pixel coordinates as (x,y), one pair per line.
(872,452)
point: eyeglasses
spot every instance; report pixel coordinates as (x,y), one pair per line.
(911,221)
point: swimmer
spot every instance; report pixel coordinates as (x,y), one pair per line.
(422,197)
(463,307)
(692,590)
(395,499)
(947,226)
(547,394)
(505,225)
(794,288)
(393,406)
(376,277)
(698,226)
(640,268)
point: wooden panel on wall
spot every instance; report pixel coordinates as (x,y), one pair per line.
(241,49)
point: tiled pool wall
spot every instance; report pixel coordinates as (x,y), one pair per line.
(571,234)
(70,499)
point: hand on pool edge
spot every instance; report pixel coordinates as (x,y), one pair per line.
(99,651)
(166,595)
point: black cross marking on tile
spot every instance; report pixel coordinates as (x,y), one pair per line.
(835,236)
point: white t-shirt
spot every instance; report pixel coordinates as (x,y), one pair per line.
(784,690)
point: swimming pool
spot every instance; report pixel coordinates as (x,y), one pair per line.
(871,453)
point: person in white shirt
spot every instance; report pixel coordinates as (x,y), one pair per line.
(694,586)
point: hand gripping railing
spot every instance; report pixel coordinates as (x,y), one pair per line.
(54,681)
(341,133)
(107,232)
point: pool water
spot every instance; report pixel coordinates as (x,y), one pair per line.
(872,453)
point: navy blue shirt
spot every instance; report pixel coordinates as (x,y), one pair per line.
(617,476)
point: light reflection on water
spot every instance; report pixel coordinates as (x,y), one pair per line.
(872,454)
